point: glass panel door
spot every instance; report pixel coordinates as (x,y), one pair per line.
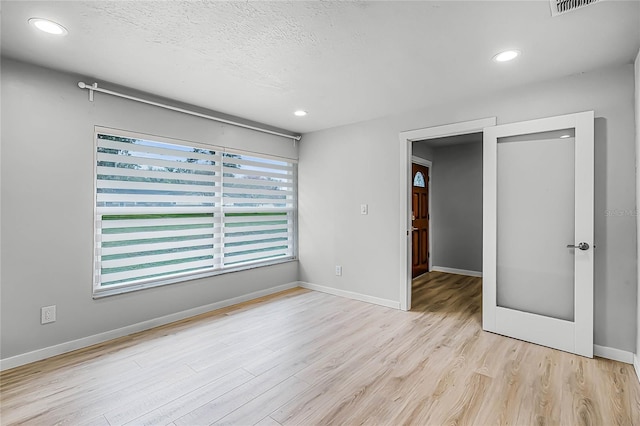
(538,231)
(536,199)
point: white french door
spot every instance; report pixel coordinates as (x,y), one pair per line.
(538,231)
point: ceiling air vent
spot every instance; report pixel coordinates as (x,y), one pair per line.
(558,7)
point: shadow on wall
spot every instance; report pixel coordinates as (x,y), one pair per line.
(600,217)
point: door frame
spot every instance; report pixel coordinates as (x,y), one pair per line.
(429,164)
(406,153)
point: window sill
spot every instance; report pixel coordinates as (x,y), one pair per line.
(128,288)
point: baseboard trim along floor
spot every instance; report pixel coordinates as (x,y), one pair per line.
(613,353)
(351,295)
(48,352)
(457,271)
(39,354)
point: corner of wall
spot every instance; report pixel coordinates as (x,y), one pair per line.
(350,295)
(637,120)
(636,363)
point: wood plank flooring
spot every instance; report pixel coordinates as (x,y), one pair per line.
(307,358)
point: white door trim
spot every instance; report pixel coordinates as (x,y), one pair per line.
(571,336)
(421,161)
(428,164)
(406,139)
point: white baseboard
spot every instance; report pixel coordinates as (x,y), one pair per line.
(613,353)
(351,295)
(39,354)
(636,365)
(457,271)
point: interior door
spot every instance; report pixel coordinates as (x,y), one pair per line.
(538,231)
(420,220)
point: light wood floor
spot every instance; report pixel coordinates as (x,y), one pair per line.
(308,358)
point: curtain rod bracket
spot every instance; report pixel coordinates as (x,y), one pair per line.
(91,89)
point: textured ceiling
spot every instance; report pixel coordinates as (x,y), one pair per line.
(341,61)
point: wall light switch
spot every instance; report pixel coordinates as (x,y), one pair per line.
(364,209)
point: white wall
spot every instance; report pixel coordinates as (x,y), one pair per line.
(637,114)
(47,209)
(343,167)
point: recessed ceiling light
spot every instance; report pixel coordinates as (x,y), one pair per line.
(48,26)
(506,56)
(300,113)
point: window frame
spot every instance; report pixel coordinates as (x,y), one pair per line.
(99,291)
(422,180)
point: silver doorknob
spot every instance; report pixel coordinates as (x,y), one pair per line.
(413,228)
(581,246)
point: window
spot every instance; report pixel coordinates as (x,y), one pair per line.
(418,180)
(168,210)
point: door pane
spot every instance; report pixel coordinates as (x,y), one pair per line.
(536,221)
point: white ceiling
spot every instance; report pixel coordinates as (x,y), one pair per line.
(342,61)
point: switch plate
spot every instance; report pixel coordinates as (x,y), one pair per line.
(338,270)
(48,314)
(364,209)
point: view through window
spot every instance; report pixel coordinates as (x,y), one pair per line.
(167,210)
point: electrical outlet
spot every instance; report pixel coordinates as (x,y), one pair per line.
(338,270)
(48,314)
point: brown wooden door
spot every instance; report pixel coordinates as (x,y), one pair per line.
(420,220)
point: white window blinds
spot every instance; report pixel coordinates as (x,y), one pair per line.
(168,210)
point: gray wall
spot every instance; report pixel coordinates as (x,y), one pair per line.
(637,104)
(456,206)
(343,167)
(47,209)
(423,150)
(47,195)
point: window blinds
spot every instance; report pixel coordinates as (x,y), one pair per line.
(169,210)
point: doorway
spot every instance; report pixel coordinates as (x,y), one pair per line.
(451,240)
(407,139)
